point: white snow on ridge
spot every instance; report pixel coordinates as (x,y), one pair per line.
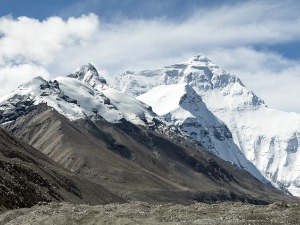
(160,99)
(78,96)
(88,99)
(32,91)
(132,109)
(181,106)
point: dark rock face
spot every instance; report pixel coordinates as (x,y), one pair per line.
(55,87)
(221,133)
(45,86)
(50,84)
(15,107)
(67,98)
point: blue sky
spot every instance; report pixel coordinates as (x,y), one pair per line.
(107,9)
(259,41)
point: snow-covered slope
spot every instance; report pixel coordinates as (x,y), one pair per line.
(82,94)
(181,106)
(267,137)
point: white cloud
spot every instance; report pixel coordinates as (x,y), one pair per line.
(223,34)
(12,76)
(27,39)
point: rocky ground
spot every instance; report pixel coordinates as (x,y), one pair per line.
(144,213)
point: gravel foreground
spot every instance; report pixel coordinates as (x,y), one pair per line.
(144,213)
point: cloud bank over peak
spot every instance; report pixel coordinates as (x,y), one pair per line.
(229,35)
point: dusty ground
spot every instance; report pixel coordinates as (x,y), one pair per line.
(144,213)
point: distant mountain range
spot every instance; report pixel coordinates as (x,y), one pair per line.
(159,138)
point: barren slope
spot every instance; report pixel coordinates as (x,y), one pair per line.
(28,177)
(137,163)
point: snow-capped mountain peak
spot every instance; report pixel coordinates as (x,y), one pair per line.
(89,74)
(198,72)
(270,139)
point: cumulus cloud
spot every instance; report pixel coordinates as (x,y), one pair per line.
(26,39)
(29,46)
(224,34)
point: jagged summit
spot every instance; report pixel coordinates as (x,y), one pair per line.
(198,72)
(88,74)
